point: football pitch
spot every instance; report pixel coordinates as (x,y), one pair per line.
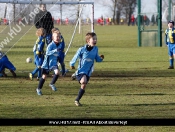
(131,83)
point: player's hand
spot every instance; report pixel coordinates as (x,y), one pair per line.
(38,53)
(102,56)
(72,67)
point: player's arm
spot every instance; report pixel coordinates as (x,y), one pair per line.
(62,44)
(49,20)
(36,21)
(74,59)
(97,57)
(166,37)
(41,45)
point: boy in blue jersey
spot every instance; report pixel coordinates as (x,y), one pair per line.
(50,62)
(86,54)
(170,42)
(61,54)
(6,64)
(38,50)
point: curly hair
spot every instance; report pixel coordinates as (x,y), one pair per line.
(40,32)
(89,35)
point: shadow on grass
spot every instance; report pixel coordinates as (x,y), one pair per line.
(135,73)
(152,104)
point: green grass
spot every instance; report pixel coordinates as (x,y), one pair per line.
(133,83)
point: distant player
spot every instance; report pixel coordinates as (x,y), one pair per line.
(38,51)
(6,64)
(61,53)
(44,20)
(170,42)
(86,54)
(50,63)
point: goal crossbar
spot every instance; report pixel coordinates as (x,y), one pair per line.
(42,2)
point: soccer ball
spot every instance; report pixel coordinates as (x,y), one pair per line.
(29,60)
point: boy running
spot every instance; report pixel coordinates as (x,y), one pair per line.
(86,54)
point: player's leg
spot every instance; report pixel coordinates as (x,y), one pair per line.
(171,58)
(173,50)
(41,59)
(31,75)
(36,61)
(55,78)
(83,80)
(10,66)
(39,73)
(45,72)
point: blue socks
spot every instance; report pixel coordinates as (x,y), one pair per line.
(171,62)
(80,94)
(41,82)
(54,79)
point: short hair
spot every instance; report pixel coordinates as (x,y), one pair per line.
(55,29)
(42,4)
(40,32)
(89,35)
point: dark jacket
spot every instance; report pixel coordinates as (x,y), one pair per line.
(44,20)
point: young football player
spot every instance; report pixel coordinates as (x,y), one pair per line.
(6,64)
(38,51)
(87,55)
(61,54)
(50,62)
(170,42)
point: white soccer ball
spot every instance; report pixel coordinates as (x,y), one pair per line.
(29,60)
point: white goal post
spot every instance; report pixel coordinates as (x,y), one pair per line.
(53,2)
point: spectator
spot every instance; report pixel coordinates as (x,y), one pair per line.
(44,20)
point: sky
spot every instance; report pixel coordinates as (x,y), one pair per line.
(148,6)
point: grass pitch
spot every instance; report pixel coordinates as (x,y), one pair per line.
(133,83)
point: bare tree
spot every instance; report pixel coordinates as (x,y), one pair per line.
(5,12)
(120,7)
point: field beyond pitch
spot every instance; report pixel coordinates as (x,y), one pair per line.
(132,83)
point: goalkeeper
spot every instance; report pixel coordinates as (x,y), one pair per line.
(86,54)
(170,42)
(38,51)
(6,64)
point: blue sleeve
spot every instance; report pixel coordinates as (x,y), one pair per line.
(76,56)
(62,44)
(98,58)
(165,39)
(50,50)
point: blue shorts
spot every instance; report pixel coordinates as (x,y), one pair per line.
(5,63)
(38,59)
(171,49)
(78,77)
(46,71)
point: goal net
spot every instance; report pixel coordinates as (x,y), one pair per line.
(17,29)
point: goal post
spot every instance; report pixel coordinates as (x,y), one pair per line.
(14,32)
(17,39)
(53,2)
